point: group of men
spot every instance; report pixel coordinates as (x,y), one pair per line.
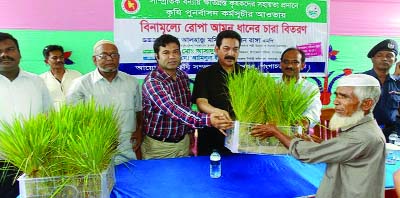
(158,117)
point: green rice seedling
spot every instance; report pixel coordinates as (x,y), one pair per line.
(100,138)
(27,144)
(91,146)
(257,98)
(294,100)
(243,95)
(56,149)
(247,99)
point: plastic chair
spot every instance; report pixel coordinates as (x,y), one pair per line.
(322,130)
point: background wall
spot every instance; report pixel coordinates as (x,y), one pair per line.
(355,26)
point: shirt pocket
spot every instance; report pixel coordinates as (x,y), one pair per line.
(394,102)
(125,101)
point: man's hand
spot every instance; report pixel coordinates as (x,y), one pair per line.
(221,122)
(305,123)
(136,139)
(397,69)
(222,112)
(269,130)
(311,138)
(264,131)
(193,143)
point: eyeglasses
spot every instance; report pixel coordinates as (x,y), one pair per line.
(104,56)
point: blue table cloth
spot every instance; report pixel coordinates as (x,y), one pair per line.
(243,176)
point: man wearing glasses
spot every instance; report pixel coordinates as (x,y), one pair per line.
(108,86)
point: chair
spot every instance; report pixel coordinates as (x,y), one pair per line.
(321,130)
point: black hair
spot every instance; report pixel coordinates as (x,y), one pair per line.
(228,34)
(303,55)
(5,36)
(50,48)
(163,40)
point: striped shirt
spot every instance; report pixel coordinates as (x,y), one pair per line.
(166,106)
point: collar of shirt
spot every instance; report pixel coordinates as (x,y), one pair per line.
(373,73)
(395,77)
(299,81)
(365,119)
(237,69)
(97,76)
(49,74)
(165,76)
(67,71)
(21,74)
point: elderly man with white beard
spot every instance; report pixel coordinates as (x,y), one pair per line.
(356,158)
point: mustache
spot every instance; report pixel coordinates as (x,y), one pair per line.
(229,57)
(6,58)
(290,68)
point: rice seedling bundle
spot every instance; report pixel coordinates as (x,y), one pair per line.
(76,140)
(245,95)
(257,98)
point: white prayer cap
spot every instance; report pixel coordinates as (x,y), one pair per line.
(358,80)
(101,42)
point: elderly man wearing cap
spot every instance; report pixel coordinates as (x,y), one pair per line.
(383,56)
(108,86)
(356,158)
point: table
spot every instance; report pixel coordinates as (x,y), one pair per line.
(243,176)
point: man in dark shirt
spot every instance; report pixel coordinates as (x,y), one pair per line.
(210,91)
(383,56)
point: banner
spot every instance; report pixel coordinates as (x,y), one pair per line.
(267,29)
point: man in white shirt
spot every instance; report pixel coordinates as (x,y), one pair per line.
(22,95)
(292,62)
(108,86)
(58,79)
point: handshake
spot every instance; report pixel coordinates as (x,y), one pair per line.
(221,120)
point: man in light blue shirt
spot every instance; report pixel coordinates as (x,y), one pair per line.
(110,87)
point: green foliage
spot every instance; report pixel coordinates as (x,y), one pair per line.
(259,98)
(76,140)
(28,145)
(287,103)
(245,95)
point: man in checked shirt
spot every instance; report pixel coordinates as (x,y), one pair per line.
(167,114)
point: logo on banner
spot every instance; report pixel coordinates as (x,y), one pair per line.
(313,10)
(130,6)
